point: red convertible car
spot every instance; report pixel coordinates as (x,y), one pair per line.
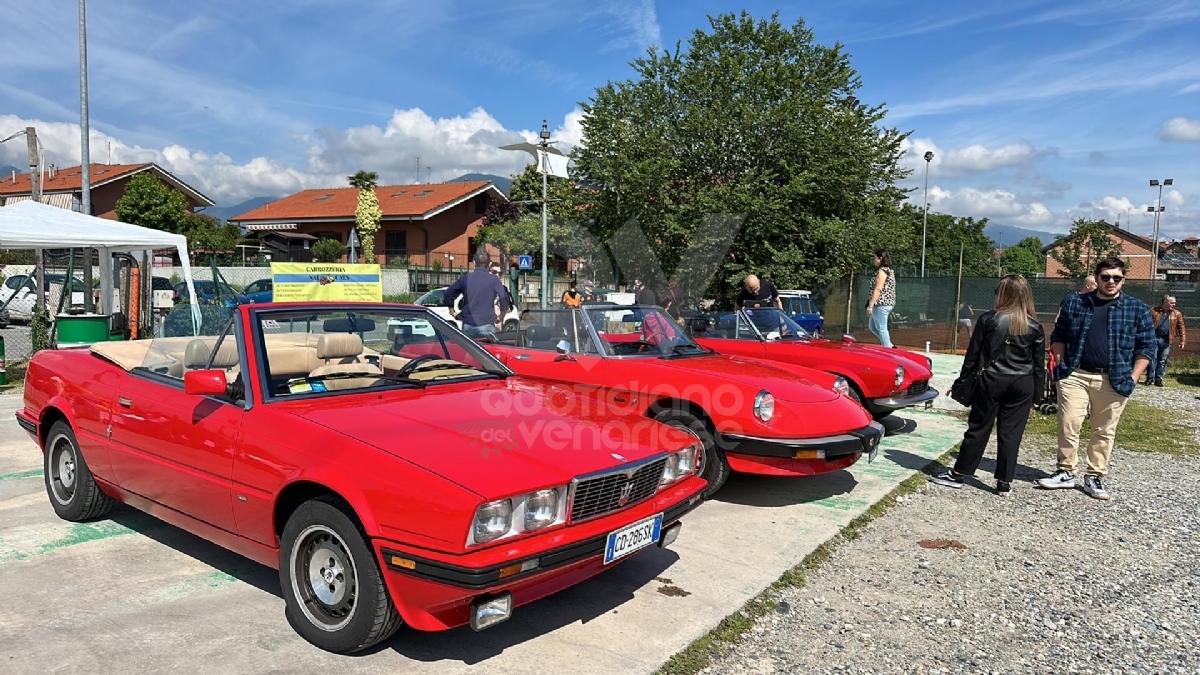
(753,416)
(367,452)
(882,380)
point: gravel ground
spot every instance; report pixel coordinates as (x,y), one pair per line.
(1046,581)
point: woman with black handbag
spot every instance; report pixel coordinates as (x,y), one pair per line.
(1003,376)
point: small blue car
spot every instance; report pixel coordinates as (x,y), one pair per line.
(803,309)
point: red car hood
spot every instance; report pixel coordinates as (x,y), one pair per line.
(915,366)
(495,438)
(756,374)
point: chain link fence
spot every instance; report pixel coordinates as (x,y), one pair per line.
(936,310)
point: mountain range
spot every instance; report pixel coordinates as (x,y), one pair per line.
(1007,235)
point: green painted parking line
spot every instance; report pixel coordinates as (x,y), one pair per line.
(81,533)
(22,474)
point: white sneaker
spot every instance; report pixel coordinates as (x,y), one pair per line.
(1061,480)
(1094,487)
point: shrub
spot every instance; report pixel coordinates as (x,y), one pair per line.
(328,250)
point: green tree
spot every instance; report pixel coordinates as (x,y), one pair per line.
(1024,258)
(208,238)
(1088,242)
(328,250)
(754,118)
(943,236)
(151,203)
(516,228)
(367,214)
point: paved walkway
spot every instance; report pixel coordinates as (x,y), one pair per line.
(132,594)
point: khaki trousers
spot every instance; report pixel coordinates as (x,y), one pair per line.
(1075,394)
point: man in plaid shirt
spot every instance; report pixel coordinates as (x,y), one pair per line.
(1104,341)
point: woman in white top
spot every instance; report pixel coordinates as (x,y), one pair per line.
(883,298)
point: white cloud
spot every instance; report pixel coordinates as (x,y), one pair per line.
(998,205)
(1181,130)
(974,158)
(449,146)
(636,19)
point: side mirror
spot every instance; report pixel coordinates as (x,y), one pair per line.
(205,383)
(848,339)
(563,347)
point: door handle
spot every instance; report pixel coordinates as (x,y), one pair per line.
(124,402)
(522,357)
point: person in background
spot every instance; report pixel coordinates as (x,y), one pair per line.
(571,298)
(589,291)
(1168,324)
(482,292)
(669,298)
(1089,284)
(1103,341)
(965,314)
(883,298)
(496,270)
(1008,349)
(642,295)
(757,293)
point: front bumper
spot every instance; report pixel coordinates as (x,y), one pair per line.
(897,402)
(852,442)
(434,594)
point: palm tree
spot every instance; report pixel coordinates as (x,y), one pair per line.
(367,215)
(364,180)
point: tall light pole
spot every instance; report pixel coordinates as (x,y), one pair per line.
(85,161)
(1156,210)
(544,144)
(925,217)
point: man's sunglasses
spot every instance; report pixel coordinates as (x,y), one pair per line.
(1112,278)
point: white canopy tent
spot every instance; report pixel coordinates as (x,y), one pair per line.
(29,224)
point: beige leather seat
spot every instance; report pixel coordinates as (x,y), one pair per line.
(197,353)
(341,353)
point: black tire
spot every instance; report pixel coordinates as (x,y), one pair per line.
(714,468)
(510,326)
(73,492)
(352,609)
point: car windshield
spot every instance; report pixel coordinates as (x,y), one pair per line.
(640,330)
(772,324)
(432,298)
(343,349)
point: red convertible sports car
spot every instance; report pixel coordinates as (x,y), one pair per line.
(367,451)
(753,416)
(882,380)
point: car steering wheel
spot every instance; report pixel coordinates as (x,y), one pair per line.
(411,366)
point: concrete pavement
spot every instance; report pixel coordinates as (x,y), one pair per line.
(132,594)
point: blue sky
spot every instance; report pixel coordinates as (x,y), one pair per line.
(1037,112)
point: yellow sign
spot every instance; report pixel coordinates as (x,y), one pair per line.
(326,282)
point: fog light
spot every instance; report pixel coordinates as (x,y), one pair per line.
(669,535)
(488,613)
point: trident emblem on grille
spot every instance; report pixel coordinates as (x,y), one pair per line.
(625,494)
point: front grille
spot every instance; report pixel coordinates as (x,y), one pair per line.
(599,495)
(918,387)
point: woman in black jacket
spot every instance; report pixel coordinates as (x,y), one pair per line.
(1008,356)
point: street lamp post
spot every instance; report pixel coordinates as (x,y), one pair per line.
(1157,210)
(544,144)
(925,217)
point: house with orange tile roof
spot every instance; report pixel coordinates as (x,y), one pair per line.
(63,187)
(420,224)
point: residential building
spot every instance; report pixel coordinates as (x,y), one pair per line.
(421,224)
(1173,265)
(63,187)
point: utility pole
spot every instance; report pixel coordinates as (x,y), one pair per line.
(35,187)
(925,210)
(1157,210)
(544,143)
(85,155)
(418,169)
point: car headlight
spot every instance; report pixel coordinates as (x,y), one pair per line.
(841,386)
(541,509)
(492,521)
(764,406)
(680,464)
(899,375)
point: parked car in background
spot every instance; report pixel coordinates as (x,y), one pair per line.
(5,318)
(435,300)
(882,380)
(378,475)
(207,290)
(753,416)
(21,298)
(803,310)
(259,291)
